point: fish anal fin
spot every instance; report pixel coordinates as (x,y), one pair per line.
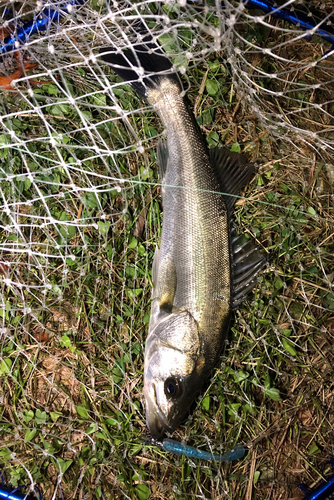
(233,171)
(247,262)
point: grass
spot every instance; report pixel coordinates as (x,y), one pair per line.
(79,233)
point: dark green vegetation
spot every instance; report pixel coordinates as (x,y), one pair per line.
(79,229)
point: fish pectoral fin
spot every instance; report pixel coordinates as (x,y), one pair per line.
(233,171)
(247,262)
(164,281)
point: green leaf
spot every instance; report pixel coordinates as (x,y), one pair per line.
(278,283)
(104,227)
(99,99)
(117,374)
(266,381)
(214,65)
(240,376)
(68,231)
(207,116)
(249,409)
(5,454)
(27,416)
(143,492)
(92,428)
(256,477)
(133,243)
(65,341)
(206,403)
(57,290)
(135,448)
(273,393)
(51,89)
(91,200)
(288,346)
(5,366)
(60,109)
(87,115)
(40,417)
(101,435)
(113,422)
(213,139)
(55,415)
(236,147)
(313,270)
(211,87)
(82,412)
(313,449)
(141,250)
(27,184)
(63,465)
(311,211)
(130,271)
(150,131)
(30,434)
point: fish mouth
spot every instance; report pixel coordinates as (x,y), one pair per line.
(156,422)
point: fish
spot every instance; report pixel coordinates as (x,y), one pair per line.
(202,269)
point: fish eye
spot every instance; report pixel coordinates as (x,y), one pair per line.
(173,388)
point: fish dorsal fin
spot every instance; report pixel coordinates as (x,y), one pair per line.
(247,262)
(233,171)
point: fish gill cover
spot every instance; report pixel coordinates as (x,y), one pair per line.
(80,219)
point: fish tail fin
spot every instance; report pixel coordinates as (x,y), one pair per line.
(143,66)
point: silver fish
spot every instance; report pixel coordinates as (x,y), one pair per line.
(203,269)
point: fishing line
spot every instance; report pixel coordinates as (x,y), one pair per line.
(134,182)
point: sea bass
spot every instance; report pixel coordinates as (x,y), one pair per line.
(203,269)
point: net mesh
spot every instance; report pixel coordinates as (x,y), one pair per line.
(80,219)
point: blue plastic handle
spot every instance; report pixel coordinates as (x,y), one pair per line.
(14,494)
(295,17)
(46,17)
(323,491)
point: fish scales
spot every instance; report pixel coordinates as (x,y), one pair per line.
(195,218)
(193,270)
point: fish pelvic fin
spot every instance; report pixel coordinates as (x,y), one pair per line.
(143,66)
(164,281)
(162,157)
(247,262)
(233,171)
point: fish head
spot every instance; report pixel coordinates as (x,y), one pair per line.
(173,371)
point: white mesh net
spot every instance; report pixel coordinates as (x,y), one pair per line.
(80,219)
